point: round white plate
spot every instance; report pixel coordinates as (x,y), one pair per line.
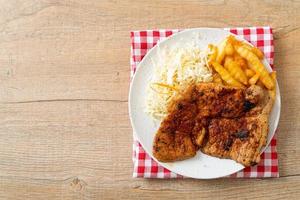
(201,166)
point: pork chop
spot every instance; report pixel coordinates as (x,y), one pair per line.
(241,139)
(238,139)
(223,121)
(173,139)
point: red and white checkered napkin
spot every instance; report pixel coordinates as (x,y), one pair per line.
(144,165)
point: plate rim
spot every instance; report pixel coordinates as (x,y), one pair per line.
(138,68)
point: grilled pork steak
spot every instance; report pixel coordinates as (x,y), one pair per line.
(222,121)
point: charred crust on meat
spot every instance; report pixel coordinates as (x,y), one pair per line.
(194,99)
(228,144)
(253,163)
(248,106)
(156,148)
(253,126)
(163,142)
(225,110)
(242,135)
(179,106)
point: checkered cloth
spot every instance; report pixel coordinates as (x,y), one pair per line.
(144,165)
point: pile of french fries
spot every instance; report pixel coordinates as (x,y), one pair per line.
(238,64)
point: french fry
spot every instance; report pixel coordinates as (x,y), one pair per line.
(227,60)
(253,80)
(258,52)
(273,75)
(229,50)
(247,46)
(214,53)
(232,40)
(225,75)
(255,65)
(236,72)
(221,51)
(255,50)
(241,61)
(249,73)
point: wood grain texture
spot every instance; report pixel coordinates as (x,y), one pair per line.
(64,78)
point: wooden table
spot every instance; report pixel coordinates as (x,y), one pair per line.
(64,78)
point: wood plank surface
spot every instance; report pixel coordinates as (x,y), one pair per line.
(64,79)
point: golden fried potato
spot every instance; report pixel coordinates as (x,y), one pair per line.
(255,65)
(214,53)
(255,50)
(253,79)
(232,40)
(235,71)
(249,73)
(229,50)
(227,60)
(225,75)
(258,52)
(273,74)
(221,51)
(240,61)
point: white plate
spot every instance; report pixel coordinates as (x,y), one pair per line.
(201,166)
